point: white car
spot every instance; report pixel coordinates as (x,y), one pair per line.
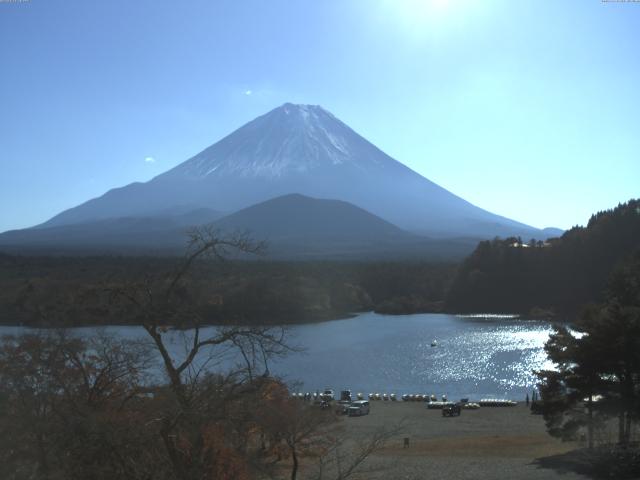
(358,408)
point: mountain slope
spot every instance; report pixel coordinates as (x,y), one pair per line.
(164,231)
(300,227)
(304,149)
(294,227)
(297,217)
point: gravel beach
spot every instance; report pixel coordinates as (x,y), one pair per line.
(488,443)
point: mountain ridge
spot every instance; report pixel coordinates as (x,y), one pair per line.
(303,149)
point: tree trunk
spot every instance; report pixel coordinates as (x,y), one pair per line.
(590,426)
(621,427)
(294,457)
(43,464)
(627,430)
(174,455)
(629,401)
(174,376)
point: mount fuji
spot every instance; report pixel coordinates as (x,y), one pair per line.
(301,149)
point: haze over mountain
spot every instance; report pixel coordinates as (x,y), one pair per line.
(162,233)
(294,227)
(296,217)
(300,149)
(293,149)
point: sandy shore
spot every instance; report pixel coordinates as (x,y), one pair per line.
(489,443)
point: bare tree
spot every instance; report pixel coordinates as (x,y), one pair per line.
(293,428)
(70,408)
(344,457)
(202,400)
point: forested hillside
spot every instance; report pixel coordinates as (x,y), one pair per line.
(558,276)
(69,291)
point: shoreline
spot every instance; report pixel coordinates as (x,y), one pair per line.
(330,318)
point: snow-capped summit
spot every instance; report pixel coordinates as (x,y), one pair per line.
(291,139)
(300,149)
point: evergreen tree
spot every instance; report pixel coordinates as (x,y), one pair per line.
(598,364)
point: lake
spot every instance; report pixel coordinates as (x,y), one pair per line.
(475,356)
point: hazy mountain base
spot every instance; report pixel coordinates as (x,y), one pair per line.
(73,291)
(296,228)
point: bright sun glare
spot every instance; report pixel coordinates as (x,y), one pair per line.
(425,9)
(424,17)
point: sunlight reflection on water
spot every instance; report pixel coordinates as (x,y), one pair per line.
(476,356)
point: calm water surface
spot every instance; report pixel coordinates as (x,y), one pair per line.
(479,356)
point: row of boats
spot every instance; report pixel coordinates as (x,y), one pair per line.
(431,400)
(328,395)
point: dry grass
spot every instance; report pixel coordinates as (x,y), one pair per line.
(490,443)
(513,446)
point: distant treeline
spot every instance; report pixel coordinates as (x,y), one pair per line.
(559,276)
(70,291)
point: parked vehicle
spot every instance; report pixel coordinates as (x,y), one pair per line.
(342,407)
(451,410)
(359,407)
(328,395)
(345,395)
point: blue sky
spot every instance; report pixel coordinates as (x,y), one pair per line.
(529,109)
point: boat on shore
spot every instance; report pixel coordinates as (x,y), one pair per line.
(497,402)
